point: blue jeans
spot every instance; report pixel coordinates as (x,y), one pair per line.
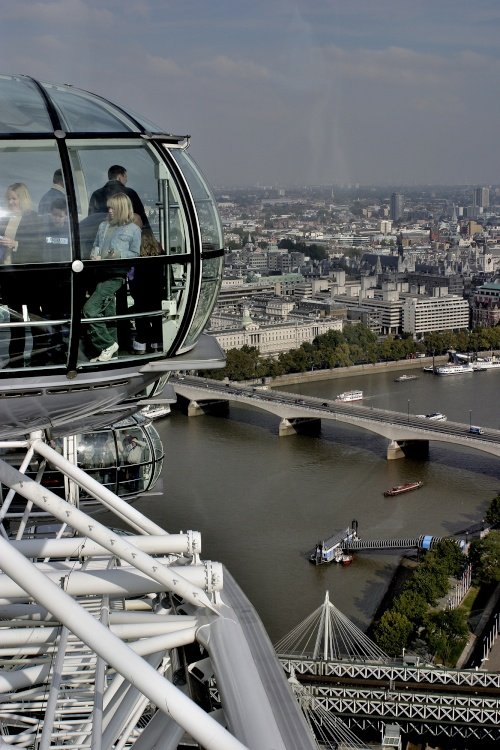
(102,303)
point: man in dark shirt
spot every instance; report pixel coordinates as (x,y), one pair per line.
(57,241)
(117,183)
(56,191)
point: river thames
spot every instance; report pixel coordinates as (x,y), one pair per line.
(262,502)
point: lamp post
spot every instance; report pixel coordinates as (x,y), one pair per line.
(470,418)
(408,410)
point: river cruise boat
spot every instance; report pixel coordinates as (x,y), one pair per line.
(486,363)
(156,411)
(350,396)
(400,489)
(403,378)
(454,369)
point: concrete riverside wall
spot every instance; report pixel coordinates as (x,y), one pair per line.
(345,372)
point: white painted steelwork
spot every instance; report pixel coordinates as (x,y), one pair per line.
(89,643)
(177,544)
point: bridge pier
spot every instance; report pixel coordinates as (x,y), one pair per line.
(214,406)
(394,451)
(309,426)
(403,448)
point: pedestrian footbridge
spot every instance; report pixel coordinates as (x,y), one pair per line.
(343,672)
(407,433)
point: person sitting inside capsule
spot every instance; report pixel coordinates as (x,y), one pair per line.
(117,237)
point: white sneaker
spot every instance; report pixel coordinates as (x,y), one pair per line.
(138,346)
(107,354)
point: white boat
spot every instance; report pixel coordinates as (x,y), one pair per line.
(350,396)
(435,416)
(402,378)
(488,363)
(156,411)
(454,369)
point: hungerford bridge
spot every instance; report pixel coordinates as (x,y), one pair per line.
(406,433)
(345,673)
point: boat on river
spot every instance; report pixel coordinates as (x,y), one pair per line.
(454,369)
(486,363)
(403,378)
(156,411)
(350,396)
(400,489)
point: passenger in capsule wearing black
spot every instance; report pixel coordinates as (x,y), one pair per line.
(117,183)
(56,234)
(21,242)
(118,237)
(57,304)
(55,192)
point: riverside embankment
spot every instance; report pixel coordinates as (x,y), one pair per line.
(336,373)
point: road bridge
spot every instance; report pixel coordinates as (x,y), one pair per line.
(406,433)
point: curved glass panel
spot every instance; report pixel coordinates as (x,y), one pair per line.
(34,229)
(149,127)
(136,304)
(158,453)
(134,460)
(210,285)
(23,109)
(208,217)
(83,112)
(98,454)
(138,289)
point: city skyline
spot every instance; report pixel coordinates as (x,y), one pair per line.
(287,92)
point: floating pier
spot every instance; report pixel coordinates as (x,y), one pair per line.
(337,548)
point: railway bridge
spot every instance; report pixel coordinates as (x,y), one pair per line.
(343,671)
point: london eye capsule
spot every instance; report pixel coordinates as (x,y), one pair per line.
(111,254)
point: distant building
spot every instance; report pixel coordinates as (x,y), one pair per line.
(272,339)
(485,305)
(397,206)
(422,315)
(481,197)
(383,306)
(453,283)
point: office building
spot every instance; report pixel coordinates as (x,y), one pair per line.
(422,315)
(397,206)
(481,197)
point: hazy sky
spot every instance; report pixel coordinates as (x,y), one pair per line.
(286,91)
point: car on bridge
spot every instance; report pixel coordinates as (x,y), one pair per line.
(474,430)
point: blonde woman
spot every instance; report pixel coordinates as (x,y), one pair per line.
(118,237)
(20,230)
(21,242)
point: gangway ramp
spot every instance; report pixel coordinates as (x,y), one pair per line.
(420,542)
